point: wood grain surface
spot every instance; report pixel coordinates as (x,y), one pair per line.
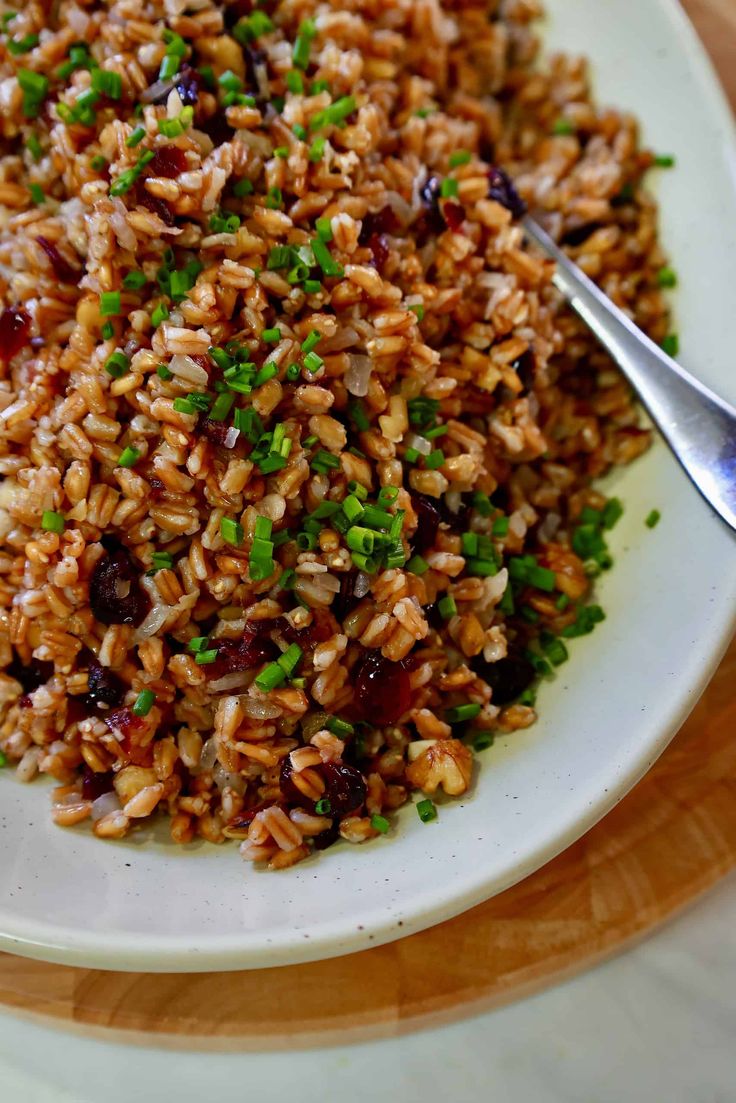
(668,841)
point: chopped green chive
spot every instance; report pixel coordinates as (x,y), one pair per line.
(198,643)
(500,527)
(163,372)
(311,341)
(418,309)
(380,824)
(482,741)
(671,344)
(107,331)
(134,281)
(163,561)
(664,161)
(52,521)
(562,602)
(587,618)
(294,82)
(317,150)
(271,336)
(117,364)
(37,194)
(271,677)
(324,461)
(128,457)
(231,532)
(243,187)
(204,658)
(34,147)
(324,228)
(426,811)
(144,702)
(34,87)
(159,314)
(447,607)
(109,303)
(313,362)
(136,137)
(303,44)
(274,199)
(417,565)
(667,277)
(460,157)
(18,46)
(434,460)
(653,518)
(106,83)
(563,127)
(460,713)
(449,188)
(323,807)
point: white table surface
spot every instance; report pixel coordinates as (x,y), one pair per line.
(655,1024)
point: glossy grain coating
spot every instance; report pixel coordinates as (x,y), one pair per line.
(699,427)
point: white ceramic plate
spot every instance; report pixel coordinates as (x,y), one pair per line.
(671,600)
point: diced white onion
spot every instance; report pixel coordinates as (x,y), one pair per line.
(208,756)
(258,709)
(236,680)
(422,445)
(104,805)
(186,368)
(358,374)
(231,437)
(362,584)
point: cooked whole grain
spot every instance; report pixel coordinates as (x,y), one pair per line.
(298,442)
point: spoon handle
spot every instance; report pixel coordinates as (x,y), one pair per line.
(699,427)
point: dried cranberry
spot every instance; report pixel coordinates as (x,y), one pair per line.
(155,205)
(433,616)
(15,328)
(96,785)
(115,594)
(378,245)
(187,85)
(384,221)
(429,518)
(327,837)
(217,128)
(321,628)
(345,788)
(25,701)
(289,790)
(508,677)
(256,63)
(454,216)
(345,601)
(524,368)
(382,690)
(430,197)
(254,648)
(168,161)
(501,188)
(104,687)
(578,234)
(215,431)
(62,269)
(32,674)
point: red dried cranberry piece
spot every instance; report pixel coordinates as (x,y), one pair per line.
(187,85)
(25,701)
(62,269)
(169,161)
(508,678)
(578,234)
(289,790)
(115,595)
(382,690)
(32,674)
(383,222)
(128,727)
(104,687)
(345,601)
(321,628)
(96,785)
(345,788)
(155,205)
(501,188)
(15,328)
(217,128)
(525,367)
(454,216)
(327,838)
(429,518)
(253,649)
(378,245)
(430,197)
(215,431)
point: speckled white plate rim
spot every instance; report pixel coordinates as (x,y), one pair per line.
(382,920)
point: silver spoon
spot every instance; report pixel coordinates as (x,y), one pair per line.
(699,427)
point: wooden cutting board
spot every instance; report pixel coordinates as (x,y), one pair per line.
(668,841)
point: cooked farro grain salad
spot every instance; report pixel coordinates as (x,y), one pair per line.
(298,442)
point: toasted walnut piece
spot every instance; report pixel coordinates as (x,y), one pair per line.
(447,763)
